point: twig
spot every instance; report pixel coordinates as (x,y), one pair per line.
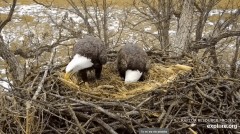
(89,120)
(28,118)
(76,120)
(42,4)
(44,76)
(163,112)
(139,105)
(205,95)
(168,112)
(101,122)
(193,132)
(2,132)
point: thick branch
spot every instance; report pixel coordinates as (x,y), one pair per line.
(15,68)
(212,41)
(204,8)
(9,17)
(32,53)
(225,35)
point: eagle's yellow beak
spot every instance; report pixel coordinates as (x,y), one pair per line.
(67,76)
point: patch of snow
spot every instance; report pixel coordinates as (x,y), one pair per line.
(5,84)
(215,12)
(210,23)
(113,26)
(156,32)
(132,38)
(219,11)
(2,71)
(238,63)
(230,27)
(147,29)
(21,38)
(172,32)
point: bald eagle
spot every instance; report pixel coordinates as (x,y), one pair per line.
(132,63)
(89,53)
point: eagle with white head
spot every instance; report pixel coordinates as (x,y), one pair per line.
(132,63)
(89,53)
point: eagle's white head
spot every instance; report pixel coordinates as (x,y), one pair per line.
(132,76)
(78,63)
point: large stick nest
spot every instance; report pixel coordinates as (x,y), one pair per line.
(112,86)
(170,94)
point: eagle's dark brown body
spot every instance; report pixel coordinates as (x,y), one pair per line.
(132,57)
(94,49)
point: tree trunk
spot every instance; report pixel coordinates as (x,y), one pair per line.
(105,12)
(233,68)
(204,7)
(165,24)
(16,69)
(182,39)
